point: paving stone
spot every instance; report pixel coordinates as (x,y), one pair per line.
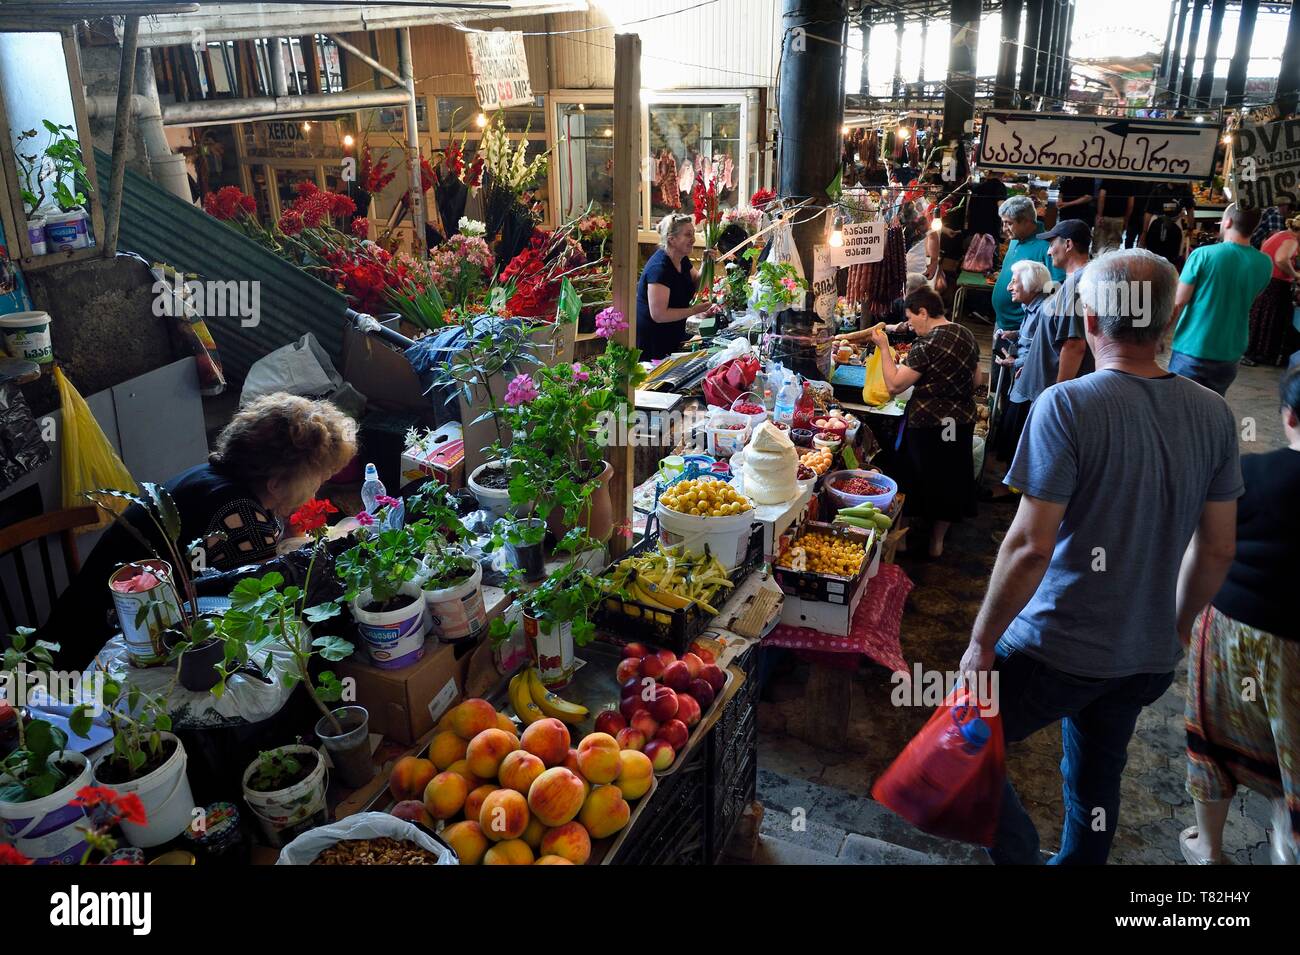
(778,852)
(864,850)
(812,832)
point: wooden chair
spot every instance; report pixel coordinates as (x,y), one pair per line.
(13,541)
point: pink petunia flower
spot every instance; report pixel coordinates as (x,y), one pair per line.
(578,373)
(521,390)
(365,519)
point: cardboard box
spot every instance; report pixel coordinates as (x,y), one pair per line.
(833,618)
(441,457)
(405,704)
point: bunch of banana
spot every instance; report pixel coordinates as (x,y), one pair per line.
(670,579)
(532,701)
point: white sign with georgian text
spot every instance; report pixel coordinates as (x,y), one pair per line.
(500,67)
(863,242)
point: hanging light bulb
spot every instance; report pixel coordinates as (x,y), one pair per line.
(1227,139)
(837,232)
(936,224)
(904,132)
(348,140)
(480,120)
(306,127)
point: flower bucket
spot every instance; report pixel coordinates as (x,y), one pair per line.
(165,793)
(552,653)
(286,812)
(727,538)
(350,750)
(495,502)
(394,638)
(530,558)
(146,643)
(48,830)
(457,612)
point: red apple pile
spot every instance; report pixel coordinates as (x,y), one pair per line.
(662,698)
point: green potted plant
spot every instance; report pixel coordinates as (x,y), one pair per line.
(57,166)
(450,578)
(775,287)
(285,789)
(146,760)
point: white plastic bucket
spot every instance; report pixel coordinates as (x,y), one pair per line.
(65,231)
(144,643)
(495,502)
(36,234)
(165,793)
(395,638)
(27,336)
(724,438)
(48,830)
(292,809)
(727,537)
(457,612)
(754,420)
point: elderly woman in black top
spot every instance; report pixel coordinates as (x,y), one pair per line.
(270,460)
(1249,639)
(665,290)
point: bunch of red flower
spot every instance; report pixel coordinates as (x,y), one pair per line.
(228,203)
(762,197)
(705,200)
(536,271)
(374,174)
(312,517)
(366,275)
(314,208)
(106,809)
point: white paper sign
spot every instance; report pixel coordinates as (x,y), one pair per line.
(500,67)
(823,286)
(1112,147)
(863,242)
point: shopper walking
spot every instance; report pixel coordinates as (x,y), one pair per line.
(1115,202)
(1249,636)
(1031,284)
(1273,219)
(1271,315)
(1059,351)
(1212,310)
(1087,611)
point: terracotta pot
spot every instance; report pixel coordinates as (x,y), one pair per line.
(600,512)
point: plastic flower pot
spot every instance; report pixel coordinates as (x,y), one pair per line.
(198,665)
(530,558)
(165,793)
(349,750)
(48,830)
(493,500)
(457,613)
(283,813)
(393,638)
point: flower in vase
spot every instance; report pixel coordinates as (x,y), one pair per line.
(610,322)
(521,390)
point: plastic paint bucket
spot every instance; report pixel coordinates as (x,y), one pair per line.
(286,812)
(165,793)
(66,231)
(727,537)
(394,638)
(27,336)
(48,830)
(457,612)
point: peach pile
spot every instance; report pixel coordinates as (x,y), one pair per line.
(510,799)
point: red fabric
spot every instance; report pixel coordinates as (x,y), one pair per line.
(874,631)
(940,787)
(724,384)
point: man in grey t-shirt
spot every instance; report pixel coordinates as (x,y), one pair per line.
(1088,610)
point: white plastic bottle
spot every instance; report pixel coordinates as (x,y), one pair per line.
(372,489)
(786,399)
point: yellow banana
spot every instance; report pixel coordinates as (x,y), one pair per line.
(671,600)
(522,701)
(552,705)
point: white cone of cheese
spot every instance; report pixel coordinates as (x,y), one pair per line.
(770,465)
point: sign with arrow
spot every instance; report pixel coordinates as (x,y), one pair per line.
(1106,147)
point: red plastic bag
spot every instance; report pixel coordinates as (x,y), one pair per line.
(980,254)
(943,782)
(724,384)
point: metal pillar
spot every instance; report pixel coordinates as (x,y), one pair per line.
(1235,91)
(925,31)
(1288,79)
(121,133)
(1003,94)
(1205,86)
(864,85)
(959,90)
(406,65)
(1170,82)
(1063,76)
(1043,48)
(1162,68)
(1193,40)
(810,138)
(898,56)
(1028,55)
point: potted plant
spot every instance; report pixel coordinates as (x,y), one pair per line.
(556,617)
(37,783)
(379,574)
(105,810)
(774,287)
(59,167)
(146,759)
(451,579)
(285,789)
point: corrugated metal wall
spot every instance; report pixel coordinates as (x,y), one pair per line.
(162,228)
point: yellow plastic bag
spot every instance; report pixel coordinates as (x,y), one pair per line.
(874,392)
(89,461)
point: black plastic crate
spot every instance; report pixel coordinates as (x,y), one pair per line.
(824,587)
(670,629)
(675,829)
(731,792)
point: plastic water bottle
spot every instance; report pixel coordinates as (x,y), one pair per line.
(372,489)
(786,400)
(949,765)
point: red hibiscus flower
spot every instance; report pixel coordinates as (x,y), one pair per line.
(311,516)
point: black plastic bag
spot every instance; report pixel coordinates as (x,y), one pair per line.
(22,449)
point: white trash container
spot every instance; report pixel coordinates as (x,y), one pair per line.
(286,812)
(165,793)
(457,612)
(395,638)
(727,537)
(48,830)
(27,336)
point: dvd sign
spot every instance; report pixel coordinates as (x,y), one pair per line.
(500,67)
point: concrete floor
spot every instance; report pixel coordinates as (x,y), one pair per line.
(816,797)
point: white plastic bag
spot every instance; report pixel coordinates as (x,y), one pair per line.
(302,368)
(364,825)
(736,348)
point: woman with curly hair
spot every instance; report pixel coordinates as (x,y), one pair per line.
(271,459)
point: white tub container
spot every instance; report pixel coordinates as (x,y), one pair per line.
(165,793)
(67,231)
(36,235)
(457,612)
(48,830)
(395,638)
(726,537)
(294,809)
(27,336)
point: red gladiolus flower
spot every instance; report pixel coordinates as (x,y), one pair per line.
(311,516)
(361,227)
(291,222)
(11,856)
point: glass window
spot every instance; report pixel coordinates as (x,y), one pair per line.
(690,140)
(459,114)
(287,179)
(583,163)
